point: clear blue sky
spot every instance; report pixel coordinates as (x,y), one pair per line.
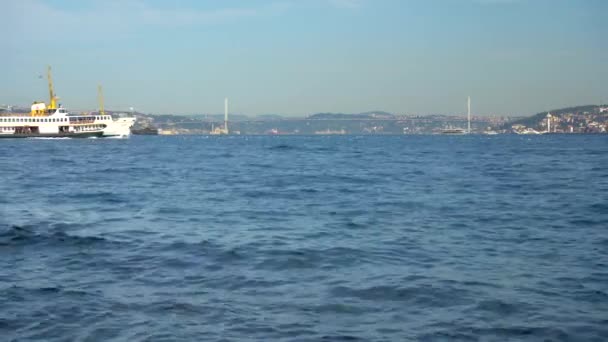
(297,57)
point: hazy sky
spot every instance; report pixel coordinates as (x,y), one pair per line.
(297,57)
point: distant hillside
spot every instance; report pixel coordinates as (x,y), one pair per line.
(343,116)
(269,117)
(534,120)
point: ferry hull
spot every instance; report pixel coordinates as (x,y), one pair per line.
(54,135)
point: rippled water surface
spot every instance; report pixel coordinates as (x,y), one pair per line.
(429,238)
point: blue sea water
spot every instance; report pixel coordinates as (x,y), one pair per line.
(286,238)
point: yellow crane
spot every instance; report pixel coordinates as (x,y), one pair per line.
(53,97)
(100,99)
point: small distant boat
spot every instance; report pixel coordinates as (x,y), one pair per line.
(454,131)
(529,131)
(331,132)
(145,131)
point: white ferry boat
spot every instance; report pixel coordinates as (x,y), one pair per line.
(58,123)
(54,121)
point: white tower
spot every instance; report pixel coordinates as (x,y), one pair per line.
(549,122)
(469,114)
(226,115)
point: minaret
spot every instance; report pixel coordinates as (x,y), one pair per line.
(226,115)
(548,122)
(469,114)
